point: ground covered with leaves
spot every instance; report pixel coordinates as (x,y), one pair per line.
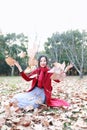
(72,89)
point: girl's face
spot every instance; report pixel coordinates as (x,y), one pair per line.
(43,62)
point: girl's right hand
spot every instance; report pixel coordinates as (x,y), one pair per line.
(18,66)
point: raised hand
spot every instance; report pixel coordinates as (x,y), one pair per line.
(18,66)
(68,67)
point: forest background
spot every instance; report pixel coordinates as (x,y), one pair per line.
(69,46)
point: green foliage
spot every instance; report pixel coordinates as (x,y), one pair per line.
(11,45)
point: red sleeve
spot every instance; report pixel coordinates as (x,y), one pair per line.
(27,77)
(24,76)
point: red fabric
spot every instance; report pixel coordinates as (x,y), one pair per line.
(44,81)
(57,102)
(41,78)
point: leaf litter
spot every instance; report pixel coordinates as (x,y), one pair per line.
(72,89)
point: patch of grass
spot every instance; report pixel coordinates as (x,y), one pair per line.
(9,84)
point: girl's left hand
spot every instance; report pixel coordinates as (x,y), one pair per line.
(68,67)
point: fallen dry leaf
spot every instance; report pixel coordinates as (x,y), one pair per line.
(72,89)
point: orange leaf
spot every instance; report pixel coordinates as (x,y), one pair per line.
(32,61)
(10,61)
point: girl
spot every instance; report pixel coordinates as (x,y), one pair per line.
(41,88)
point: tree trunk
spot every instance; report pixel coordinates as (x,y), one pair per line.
(12,71)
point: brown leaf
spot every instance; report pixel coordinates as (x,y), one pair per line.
(2,121)
(10,61)
(59,71)
(45,123)
(56,76)
(7,109)
(22,54)
(32,62)
(25,123)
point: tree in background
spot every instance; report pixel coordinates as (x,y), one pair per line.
(73,43)
(53,48)
(70,46)
(11,45)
